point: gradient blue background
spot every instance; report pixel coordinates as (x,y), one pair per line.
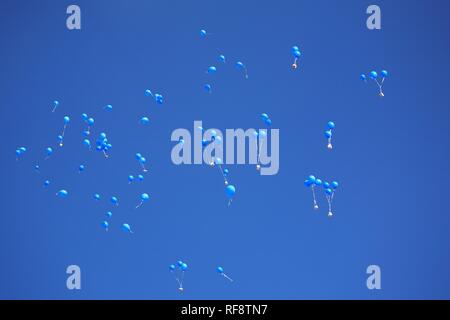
(391,155)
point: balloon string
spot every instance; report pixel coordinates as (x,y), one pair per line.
(314,195)
(329,199)
(219,166)
(143,167)
(54,108)
(139,205)
(227,277)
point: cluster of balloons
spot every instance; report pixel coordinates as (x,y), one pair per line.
(89,122)
(131,178)
(220,271)
(178,271)
(374,76)
(329,189)
(329,133)
(103,145)
(66,121)
(158,97)
(296,53)
(20,152)
(142,160)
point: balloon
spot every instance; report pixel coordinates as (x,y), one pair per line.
(334,184)
(46,183)
(87,143)
(66,120)
(328,134)
(37,167)
(219,270)
(62,193)
(268,122)
(109,214)
(140,177)
(212,70)
(294,49)
(264,116)
(145,197)
(328,191)
(81,168)
(184,267)
(208,88)
(318,182)
(222,58)
(307,183)
(262,134)
(230,190)
(108,107)
(384,74)
(55,105)
(84,116)
(331,125)
(203,33)
(145,120)
(90,121)
(179,263)
(312,178)
(226,171)
(373,75)
(96,196)
(105,225)
(115,201)
(148,93)
(363,77)
(172,267)
(126,228)
(49,151)
(326,185)
(159,98)
(297,54)
(240,65)
(130,178)
(138,156)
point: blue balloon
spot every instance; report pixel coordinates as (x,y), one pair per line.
(84,116)
(86,143)
(294,49)
(130,178)
(148,93)
(109,214)
(159,98)
(115,201)
(384,74)
(60,138)
(203,33)
(240,65)
(219,270)
(262,134)
(62,193)
(268,122)
(363,77)
(126,228)
(184,267)
(66,120)
(56,103)
(318,182)
(373,74)
(37,167)
(49,151)
(142,160)
(140,177)
(331,125)
(222,58)
(312,178)
(18,153)
(172,267)
(205,142)
(329,191)
(81,168)
(23,149)
(328,134)
(297,54)
(308,183)
(109,107)
(96,196)
(145,197)
(230,190)
(326,185)
(207,88)
(145,120)
(334,184)
(226,171)
(179,263)
(46,183)
(212,70)
(264,116)
(105,225)
(90,121)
